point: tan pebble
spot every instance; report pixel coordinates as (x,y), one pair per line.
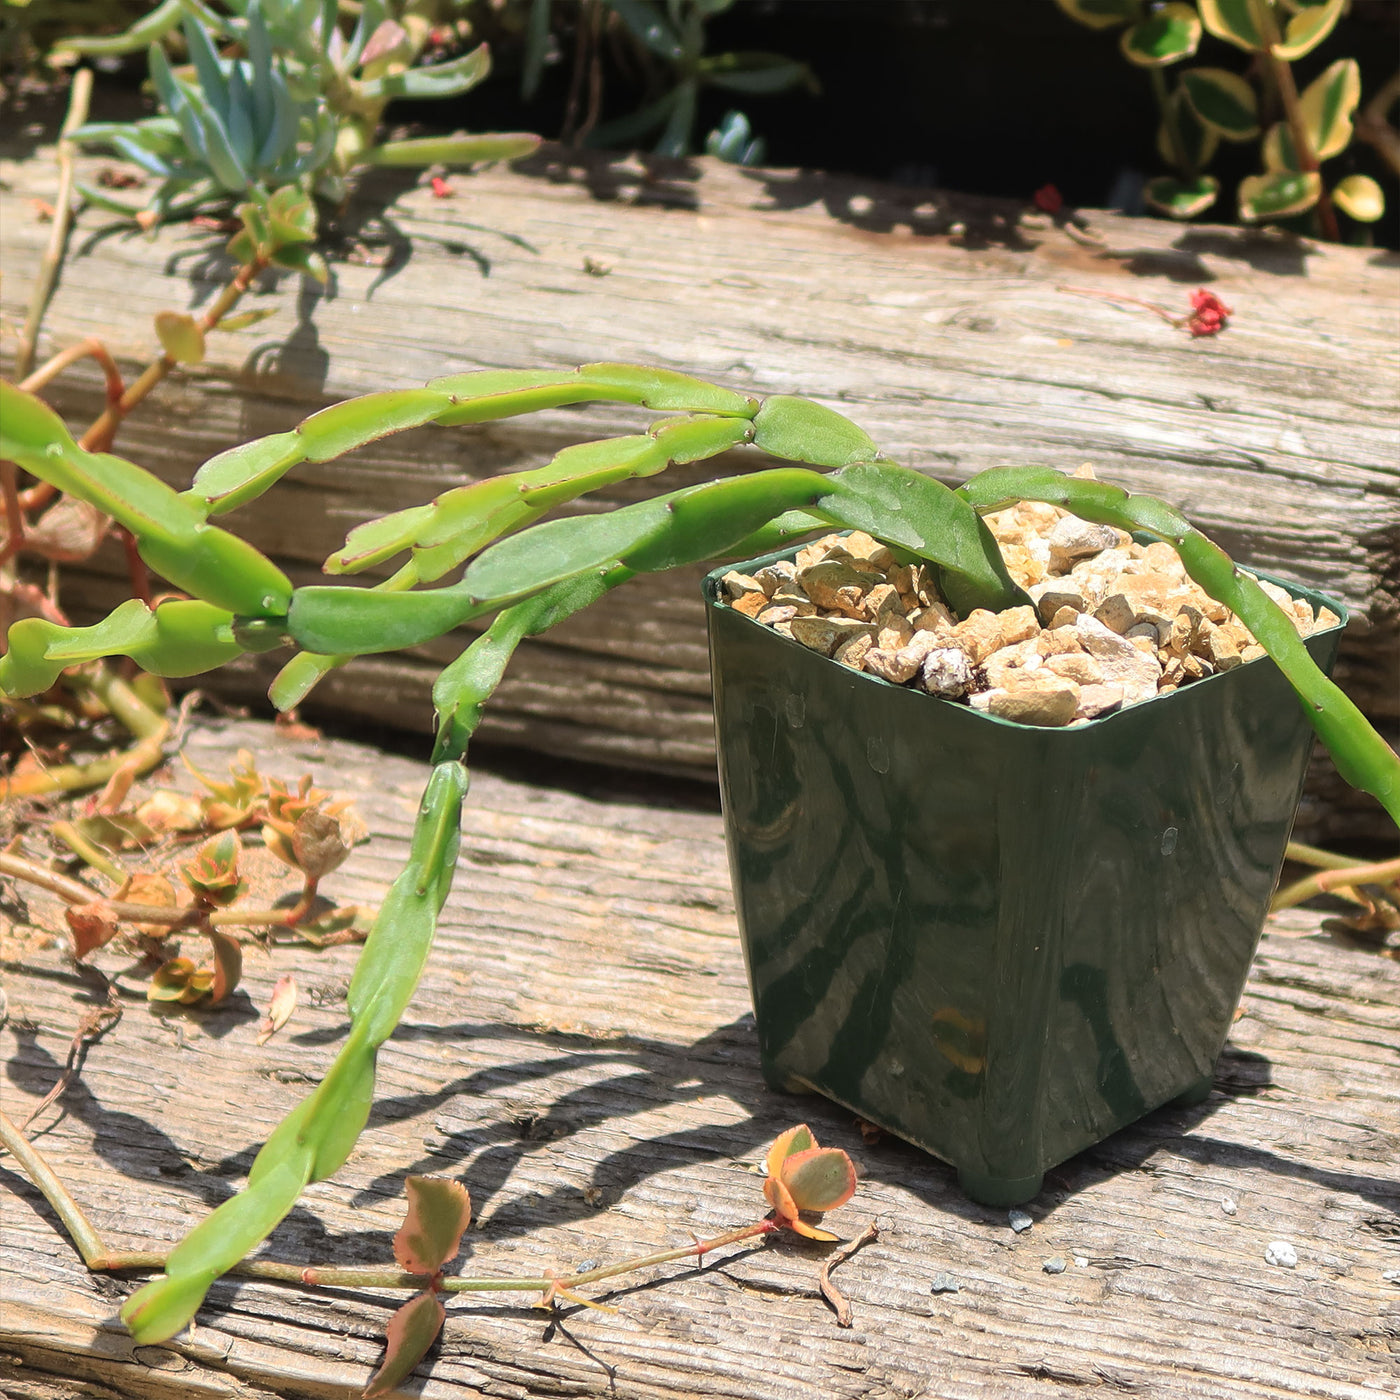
(1124,663)
(1326,618)
(891,665)
(1018,625)
(1214,610)
(1025,564)
(1222,649)
(859,545)
(926,585)
(901,576)
(773,576)
(978,634)
(751,604)
(1096,700)
(936,617)
(737,584)
(1007,527)
(1237,632)
(853,652)
(1072,539)
(1116,613)
(1065,617)
(783,629)
(882,558)
(1160,557)
(836,584)
(897,632)
(1054,594)
(1280,595)
(1045,700)
(1085,472)
(1075,666)
(1145,642)
(1157,630)
(791,593)
(824,633)
(1194,668)
(1253,652)
(1185,629)
(1302,614)
(1017,657)
(882,600)
(812,554)
(1060,641)
(773,614)
(1040,516)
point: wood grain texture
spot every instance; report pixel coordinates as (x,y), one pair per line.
(581,1053)
(941,325)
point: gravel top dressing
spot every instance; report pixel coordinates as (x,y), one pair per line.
(1113,622)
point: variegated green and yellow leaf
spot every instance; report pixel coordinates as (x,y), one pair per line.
(1326,105)
(1098,14)
(1234,21)
(1308,28)
(1278,193)
(1166,36)
(1199,140)
(1223,101)
(1359,197)
(1182,199)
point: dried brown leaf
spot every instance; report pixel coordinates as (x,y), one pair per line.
(279,1009)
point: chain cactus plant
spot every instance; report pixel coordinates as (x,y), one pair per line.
(530,573)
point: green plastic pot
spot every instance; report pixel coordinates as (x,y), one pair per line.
(999,942)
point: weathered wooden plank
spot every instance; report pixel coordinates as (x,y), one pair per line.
(956,350)
(584,1027)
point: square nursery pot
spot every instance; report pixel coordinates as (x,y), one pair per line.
(999,942)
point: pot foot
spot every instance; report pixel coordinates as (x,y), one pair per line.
(782,1082)
(1000,1190)
(1199,1092)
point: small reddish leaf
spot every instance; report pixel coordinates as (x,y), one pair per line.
(279,1009)
(228,965)
(797,1139)
(439,1210)
(212,872)
(780,1198)
(812,1232)
(820,1179)
(92,926)
(171,980)
(412,1330)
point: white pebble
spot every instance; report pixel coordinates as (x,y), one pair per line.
(1081,1261)
(1391,1276)
(1283,1254)
(1019,1221)
(1228,1206)
(944,1283)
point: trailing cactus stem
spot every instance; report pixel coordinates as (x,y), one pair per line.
(1362,757)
